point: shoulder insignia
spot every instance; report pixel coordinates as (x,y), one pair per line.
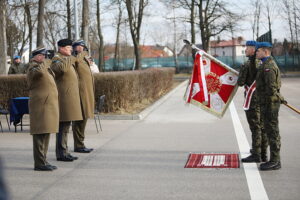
(56,61)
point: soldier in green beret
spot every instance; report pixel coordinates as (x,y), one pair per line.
(268,85)
(247,80)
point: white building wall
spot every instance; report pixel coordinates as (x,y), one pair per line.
(227,51)
(240,50)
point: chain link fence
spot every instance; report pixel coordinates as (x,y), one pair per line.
(185,64)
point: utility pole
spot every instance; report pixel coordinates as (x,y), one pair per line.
(76,20)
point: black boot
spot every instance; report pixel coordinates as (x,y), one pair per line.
(271,165)
(264,157)
(252,159)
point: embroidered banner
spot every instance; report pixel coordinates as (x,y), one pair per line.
(212,85)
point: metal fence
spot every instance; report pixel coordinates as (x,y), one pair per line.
(286,63)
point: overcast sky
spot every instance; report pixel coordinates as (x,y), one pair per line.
(157,29)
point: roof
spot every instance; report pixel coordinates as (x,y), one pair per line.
(148,51)
(228,43)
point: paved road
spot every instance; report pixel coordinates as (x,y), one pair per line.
(145,159)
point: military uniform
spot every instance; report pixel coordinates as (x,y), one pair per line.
(69,101)
(268,85)
(87,99)
(43,111)
(17,68)
(246,78)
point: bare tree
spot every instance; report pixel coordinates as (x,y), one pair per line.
(3,45)
(85,21)
(287,6)
(295,12)
(101,43)
(27,8)
(256,5)
(213,19)
(190,6)
(40,26)
(135,10)
(118,29)
(69,24)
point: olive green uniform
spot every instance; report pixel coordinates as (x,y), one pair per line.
(17,68)
(69,100)
(259,138)
(87,98)
(43,109)
(268,85)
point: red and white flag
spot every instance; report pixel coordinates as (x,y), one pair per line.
(212,85)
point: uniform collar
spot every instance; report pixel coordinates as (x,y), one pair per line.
(264,59)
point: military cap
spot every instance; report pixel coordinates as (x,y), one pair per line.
(79,43)
(17,57)
(251,43)
(263,44)
(64,42)
(39,50)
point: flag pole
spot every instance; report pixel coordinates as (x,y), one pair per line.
(210,57)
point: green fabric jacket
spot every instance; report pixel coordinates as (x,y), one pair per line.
(248,72)
(268,82)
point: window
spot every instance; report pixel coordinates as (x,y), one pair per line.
(223,53)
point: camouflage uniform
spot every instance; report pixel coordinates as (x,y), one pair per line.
(267,87)
(259,138)
(17,68)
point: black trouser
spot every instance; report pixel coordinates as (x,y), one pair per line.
(62,139)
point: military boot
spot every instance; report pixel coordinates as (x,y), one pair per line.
(271,165)
(264,157)
(252,159)
(251,151)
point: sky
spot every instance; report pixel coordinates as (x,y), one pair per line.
(157,30)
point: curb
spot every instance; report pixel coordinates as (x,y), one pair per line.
(145,112)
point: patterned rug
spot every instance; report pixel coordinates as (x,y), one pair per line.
(213,160)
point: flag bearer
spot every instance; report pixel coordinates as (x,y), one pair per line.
(247,79)
(268,85)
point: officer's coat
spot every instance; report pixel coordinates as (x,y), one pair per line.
(68,88)
(86,85)
(43,102)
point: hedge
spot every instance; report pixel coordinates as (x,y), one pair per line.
(122,89)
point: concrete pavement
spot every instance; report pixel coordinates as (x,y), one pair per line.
(144,159)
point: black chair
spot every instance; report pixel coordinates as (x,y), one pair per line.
(4,112)
(98,110)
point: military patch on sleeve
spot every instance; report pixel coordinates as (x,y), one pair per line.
(267,70)
(56,61)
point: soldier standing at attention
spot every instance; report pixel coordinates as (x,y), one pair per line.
(43,107)
(268,85)
(17,67)
(247,79)
(86,91)
(69,99)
